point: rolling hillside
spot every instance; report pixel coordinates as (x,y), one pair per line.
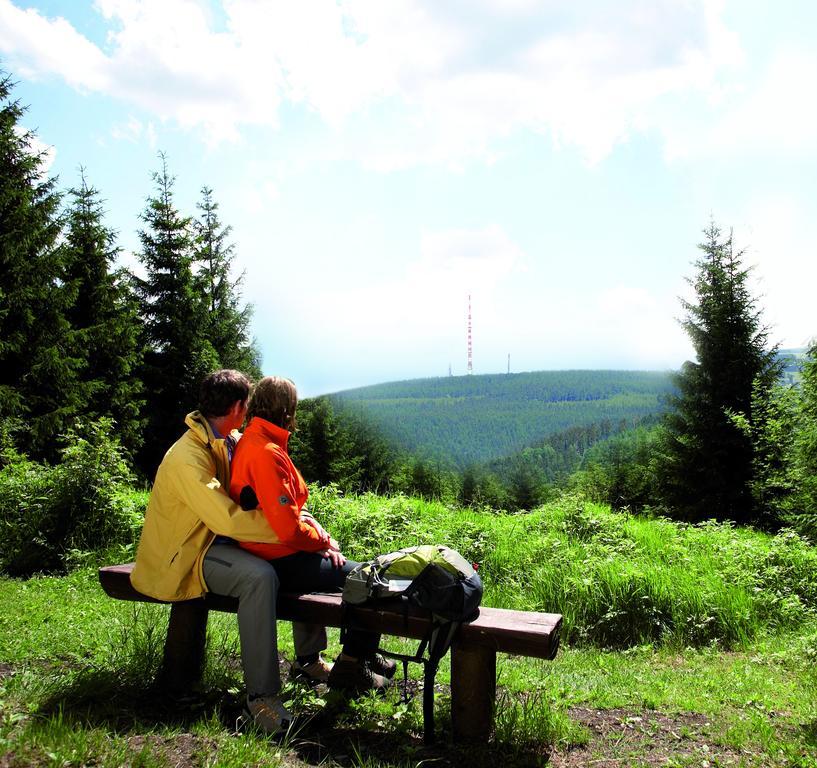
(473,419)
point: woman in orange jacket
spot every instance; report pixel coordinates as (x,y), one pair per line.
(305,557)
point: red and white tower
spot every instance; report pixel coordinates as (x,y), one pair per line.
(470,369)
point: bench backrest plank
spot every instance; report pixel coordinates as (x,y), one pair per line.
(520,632)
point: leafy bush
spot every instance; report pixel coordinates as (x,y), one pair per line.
(619,580)
(620,471)
(48,514)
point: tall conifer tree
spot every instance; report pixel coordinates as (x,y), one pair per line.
(103,314)
(706,466)
(227,320)
(37,364)
(801,467)
(177,354)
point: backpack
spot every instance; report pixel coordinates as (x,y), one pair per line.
(434,578)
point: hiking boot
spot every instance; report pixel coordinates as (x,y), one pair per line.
(355,677)
(382,665)
(269,714)
(315,672)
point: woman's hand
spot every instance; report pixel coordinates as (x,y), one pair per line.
(323,536)
(335,555)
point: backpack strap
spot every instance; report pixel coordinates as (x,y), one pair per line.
(438,642)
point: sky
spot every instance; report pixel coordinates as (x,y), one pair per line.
(380,161)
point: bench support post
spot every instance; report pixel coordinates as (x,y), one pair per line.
(473,693)
(183,661)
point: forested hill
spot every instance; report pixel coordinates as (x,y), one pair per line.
(474,419)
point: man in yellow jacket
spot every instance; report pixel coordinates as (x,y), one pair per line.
(189,511)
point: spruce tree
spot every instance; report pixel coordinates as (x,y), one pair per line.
(801,504)
(707,459)
(322,447)
(177,353)
(103,315)
(37,363)
(227,321)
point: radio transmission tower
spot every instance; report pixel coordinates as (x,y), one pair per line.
(470,351)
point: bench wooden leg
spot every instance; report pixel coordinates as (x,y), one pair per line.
(183,661)
(473,693)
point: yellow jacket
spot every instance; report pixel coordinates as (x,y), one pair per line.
(188,507)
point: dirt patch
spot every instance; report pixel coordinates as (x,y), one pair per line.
(178,751)
(622,737)
(6,670)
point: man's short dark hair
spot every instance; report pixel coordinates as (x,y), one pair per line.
(220,390)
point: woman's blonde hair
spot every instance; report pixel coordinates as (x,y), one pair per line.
(275,399)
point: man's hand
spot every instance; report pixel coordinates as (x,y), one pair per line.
(323,536)
(335,555)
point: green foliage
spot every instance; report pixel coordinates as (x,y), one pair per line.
(399,437)
(470,420)
(755,699)
(37,363)
(322,447)
(481,489)
(618,580)
(621,471)
(103,318)
(178,355)
(227,321)
(777,414)
(707,459)
(801,509)
(49,515)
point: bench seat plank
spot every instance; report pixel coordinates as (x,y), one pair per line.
(500,629)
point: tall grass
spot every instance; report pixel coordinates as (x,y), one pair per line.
(618,580)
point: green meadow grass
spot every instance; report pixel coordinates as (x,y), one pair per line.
(660,618)
(618,580)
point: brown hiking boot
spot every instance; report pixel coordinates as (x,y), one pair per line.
(355,677)
(382,665)
(315,672)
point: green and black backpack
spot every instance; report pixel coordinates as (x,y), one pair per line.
(433,578)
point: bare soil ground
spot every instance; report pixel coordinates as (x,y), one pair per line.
(621,737)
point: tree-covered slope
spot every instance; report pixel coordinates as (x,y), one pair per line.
(473,419)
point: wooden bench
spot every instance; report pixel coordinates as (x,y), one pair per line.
(473,653)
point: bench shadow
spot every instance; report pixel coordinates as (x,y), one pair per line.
(103,699)
(809,731)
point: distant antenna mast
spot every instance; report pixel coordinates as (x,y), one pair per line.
(509,362)
(470,350)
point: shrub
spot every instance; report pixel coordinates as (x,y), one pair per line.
(49,513)
(618,579)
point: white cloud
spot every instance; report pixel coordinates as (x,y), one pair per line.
(37,45)
(450,81)
(782,245)
(778,114)
(134,130)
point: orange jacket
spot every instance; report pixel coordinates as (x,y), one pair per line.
(261,462)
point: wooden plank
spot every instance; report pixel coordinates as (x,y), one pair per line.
(183,661)
(473,693)
(499,629)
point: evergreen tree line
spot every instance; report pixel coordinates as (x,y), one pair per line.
(81,338)
(340,446)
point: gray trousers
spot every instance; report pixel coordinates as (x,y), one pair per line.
(231,571)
